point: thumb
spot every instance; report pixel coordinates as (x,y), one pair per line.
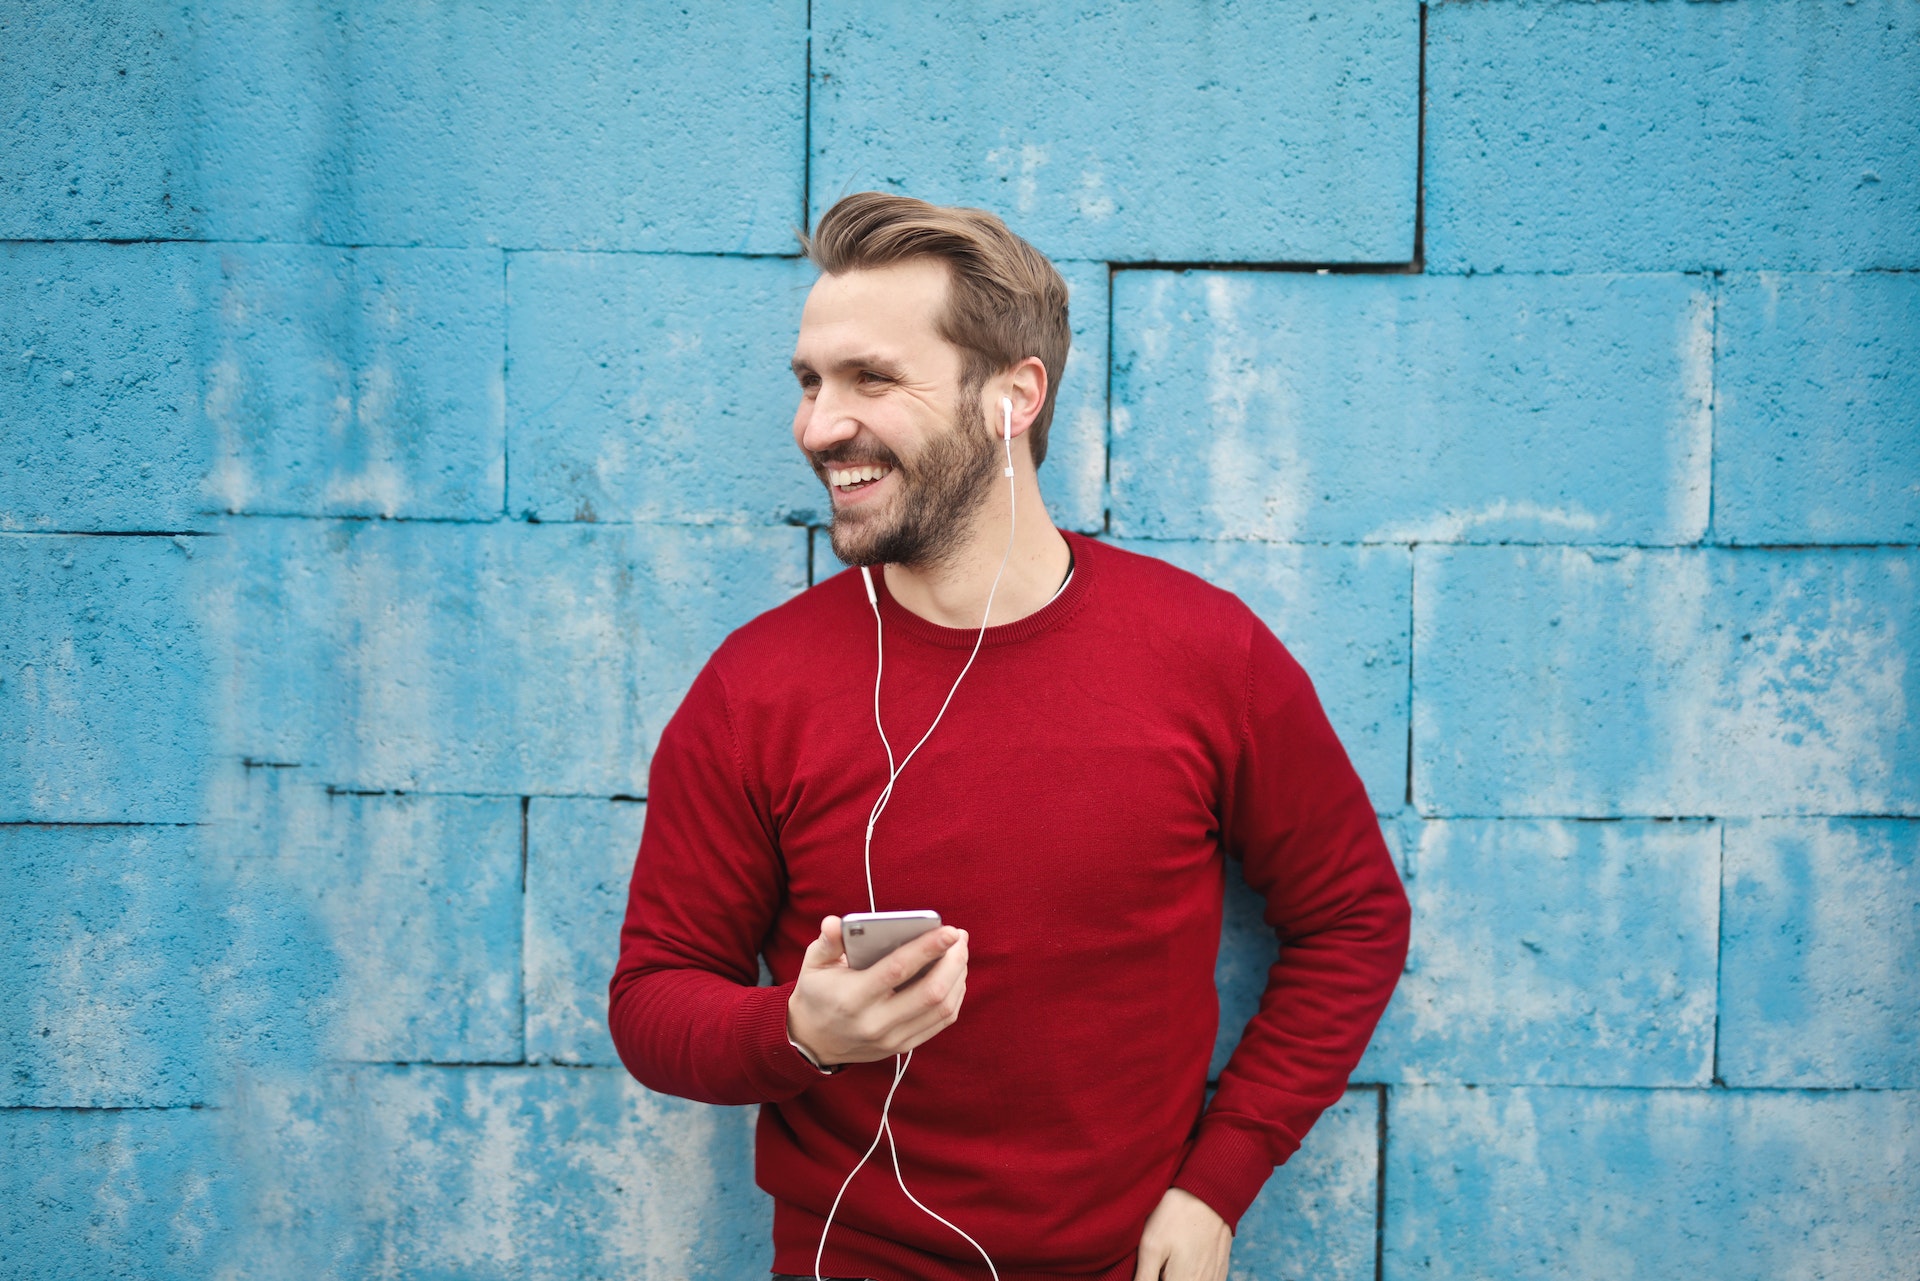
(829,947)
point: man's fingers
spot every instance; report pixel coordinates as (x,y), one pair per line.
(1149,1263)
(924,1017)
(916,1014)
(1184,1240)
(911,957)
(904,1004)
(924,1027)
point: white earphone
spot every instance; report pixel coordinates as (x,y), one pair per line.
(900,1062)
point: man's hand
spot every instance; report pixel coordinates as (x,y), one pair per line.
(844,1015)
(1184,1241)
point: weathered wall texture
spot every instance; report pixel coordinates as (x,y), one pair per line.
(394,417)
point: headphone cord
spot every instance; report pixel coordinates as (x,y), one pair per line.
(901,1062)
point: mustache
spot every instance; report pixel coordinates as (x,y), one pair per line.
(848,455)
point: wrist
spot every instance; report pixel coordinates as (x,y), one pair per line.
(793,1039)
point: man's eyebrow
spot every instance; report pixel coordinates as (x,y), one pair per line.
(869,360)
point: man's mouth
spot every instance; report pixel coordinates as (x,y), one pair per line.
(851,480)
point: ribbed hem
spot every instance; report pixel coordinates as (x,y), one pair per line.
(777,1070)
(853,1253)
(1086,555)
(1226,1168)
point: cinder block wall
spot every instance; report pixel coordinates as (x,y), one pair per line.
(394,416)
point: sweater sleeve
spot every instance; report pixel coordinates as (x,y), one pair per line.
(685,1010)
(1299,818)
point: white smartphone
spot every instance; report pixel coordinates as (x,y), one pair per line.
(869,936)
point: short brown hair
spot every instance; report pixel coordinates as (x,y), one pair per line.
(1005,301)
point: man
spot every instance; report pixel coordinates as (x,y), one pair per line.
(1123,728)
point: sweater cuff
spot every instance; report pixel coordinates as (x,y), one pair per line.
(1226,1168)
(777,1069)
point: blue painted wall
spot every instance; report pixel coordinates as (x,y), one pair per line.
(393,416)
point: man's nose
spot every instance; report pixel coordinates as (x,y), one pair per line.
(829,421)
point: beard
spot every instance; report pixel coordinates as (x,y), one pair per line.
(925,523)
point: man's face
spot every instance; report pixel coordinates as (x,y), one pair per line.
(880,418)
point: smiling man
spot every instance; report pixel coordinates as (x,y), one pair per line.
(1123,730)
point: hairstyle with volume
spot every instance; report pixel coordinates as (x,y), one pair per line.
(1005,301)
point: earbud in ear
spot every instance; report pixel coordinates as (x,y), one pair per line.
(1006,434)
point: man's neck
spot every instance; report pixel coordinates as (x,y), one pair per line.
(954,592)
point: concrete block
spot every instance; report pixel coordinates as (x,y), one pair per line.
(579,862)
(100,416)
(657,389)
(508,658)
(542,1174)
(1818,952)
(1315,1220)
(1073,478)
(1650,1183)
(355,382)
(97,100)
(1817,409)
(1553,953)
(268,120)
(593,128)
(1345,613)
(102,672)
(538,1173)
(1560,681)
(1672,137)
(148,964)
(103,929)
(1411,408)
(1176,132)
(679,130)
(135,1194)
(411,905)
(143,385)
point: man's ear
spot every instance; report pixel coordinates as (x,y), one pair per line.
(1026,386)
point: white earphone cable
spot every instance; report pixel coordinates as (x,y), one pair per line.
(879,807)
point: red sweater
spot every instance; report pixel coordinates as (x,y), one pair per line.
(1072,812)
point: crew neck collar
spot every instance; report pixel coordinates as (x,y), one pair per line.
(1081,548)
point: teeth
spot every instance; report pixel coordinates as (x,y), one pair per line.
(842,477)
